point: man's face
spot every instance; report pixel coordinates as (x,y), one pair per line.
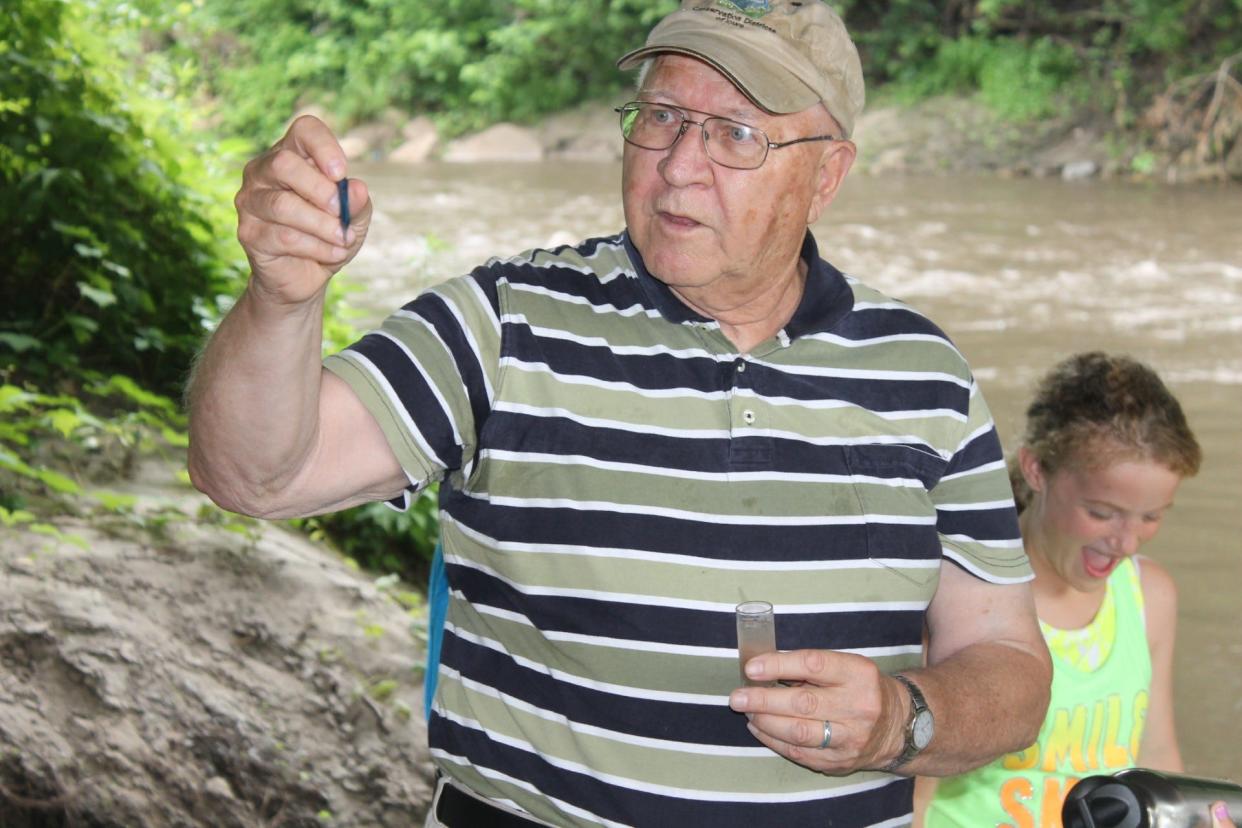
(699,225)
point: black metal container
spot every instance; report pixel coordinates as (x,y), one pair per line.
(1139,798)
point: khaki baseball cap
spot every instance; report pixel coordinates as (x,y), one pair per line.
(785,55)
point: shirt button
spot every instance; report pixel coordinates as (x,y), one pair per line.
(748,417)
(741,365)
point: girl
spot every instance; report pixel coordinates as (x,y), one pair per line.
(1105,448)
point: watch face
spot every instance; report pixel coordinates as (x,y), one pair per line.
(923,727)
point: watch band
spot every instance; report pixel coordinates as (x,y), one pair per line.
(918,705)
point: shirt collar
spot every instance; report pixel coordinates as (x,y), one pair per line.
(826,297)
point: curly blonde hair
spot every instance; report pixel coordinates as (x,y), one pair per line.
(1094,409)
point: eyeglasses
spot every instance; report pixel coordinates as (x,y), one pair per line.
(729,143)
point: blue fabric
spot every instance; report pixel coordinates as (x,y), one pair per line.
(437,607)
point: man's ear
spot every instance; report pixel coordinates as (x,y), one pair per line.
(1032,470)
(834,163)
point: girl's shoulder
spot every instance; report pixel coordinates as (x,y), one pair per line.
(1155,580)
(1159,596)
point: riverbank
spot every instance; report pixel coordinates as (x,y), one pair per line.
(167,663)
(936,136)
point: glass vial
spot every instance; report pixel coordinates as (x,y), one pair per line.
(756,634)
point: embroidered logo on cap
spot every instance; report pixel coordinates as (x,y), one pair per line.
(750,8)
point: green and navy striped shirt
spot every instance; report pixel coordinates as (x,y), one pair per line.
(616,477)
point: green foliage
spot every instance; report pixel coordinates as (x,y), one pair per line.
(116,259)
(1029,59)
(466,62)
(1018,82)
(469,63)
(382,539)
(50,445)
(118,228)
(1038,73)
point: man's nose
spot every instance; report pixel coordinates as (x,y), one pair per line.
(687,162)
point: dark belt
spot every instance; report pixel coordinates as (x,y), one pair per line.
(461,810)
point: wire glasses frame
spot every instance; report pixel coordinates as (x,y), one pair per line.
(729,143)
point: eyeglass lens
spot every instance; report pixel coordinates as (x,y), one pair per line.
(657,127)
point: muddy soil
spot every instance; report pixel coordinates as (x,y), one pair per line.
(172,666)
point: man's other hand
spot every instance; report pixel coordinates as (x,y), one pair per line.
(866,710)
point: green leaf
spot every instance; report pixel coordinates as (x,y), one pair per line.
(57,482)
(83,326)
(44,529)
(20,342)
(14,463)
(64,420)
(115,501)
(53,532)
(126,387)
(76,231)
(12,398)
(382,690)
(102,298)
(15,517)
(120,270)
(175,438)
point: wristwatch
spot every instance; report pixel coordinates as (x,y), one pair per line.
(920,727)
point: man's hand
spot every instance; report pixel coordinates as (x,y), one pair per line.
(865,709)
(986,681)
(288,214)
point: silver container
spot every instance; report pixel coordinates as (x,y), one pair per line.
(1139,798)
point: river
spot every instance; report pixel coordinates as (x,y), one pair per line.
(1019,272)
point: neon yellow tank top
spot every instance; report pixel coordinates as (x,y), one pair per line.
(1101,675)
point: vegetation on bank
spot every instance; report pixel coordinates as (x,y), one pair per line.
(117,224)
(469,63)
(122,126)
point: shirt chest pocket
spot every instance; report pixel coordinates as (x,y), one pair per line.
(893,486)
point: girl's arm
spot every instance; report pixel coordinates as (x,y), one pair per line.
(1159,749)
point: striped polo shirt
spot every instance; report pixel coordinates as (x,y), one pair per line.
(616,478)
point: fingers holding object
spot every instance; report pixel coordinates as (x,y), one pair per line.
(800,741)
(310,138)
(287,207)
(278,223)
(804,733)
(795,716)
(281,188)
(276,241)
(821,667)
(345,198)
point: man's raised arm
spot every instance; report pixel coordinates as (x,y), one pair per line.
(271,433)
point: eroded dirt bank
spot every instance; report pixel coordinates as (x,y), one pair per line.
(164,670)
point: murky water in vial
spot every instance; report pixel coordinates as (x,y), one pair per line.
(1020,273)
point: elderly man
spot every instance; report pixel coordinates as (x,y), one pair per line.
(633,435)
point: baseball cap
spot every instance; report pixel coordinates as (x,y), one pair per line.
(785,55)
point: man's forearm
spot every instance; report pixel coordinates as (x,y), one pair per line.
(254,401)
(988,699)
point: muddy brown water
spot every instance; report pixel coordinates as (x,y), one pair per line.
(1020,273)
